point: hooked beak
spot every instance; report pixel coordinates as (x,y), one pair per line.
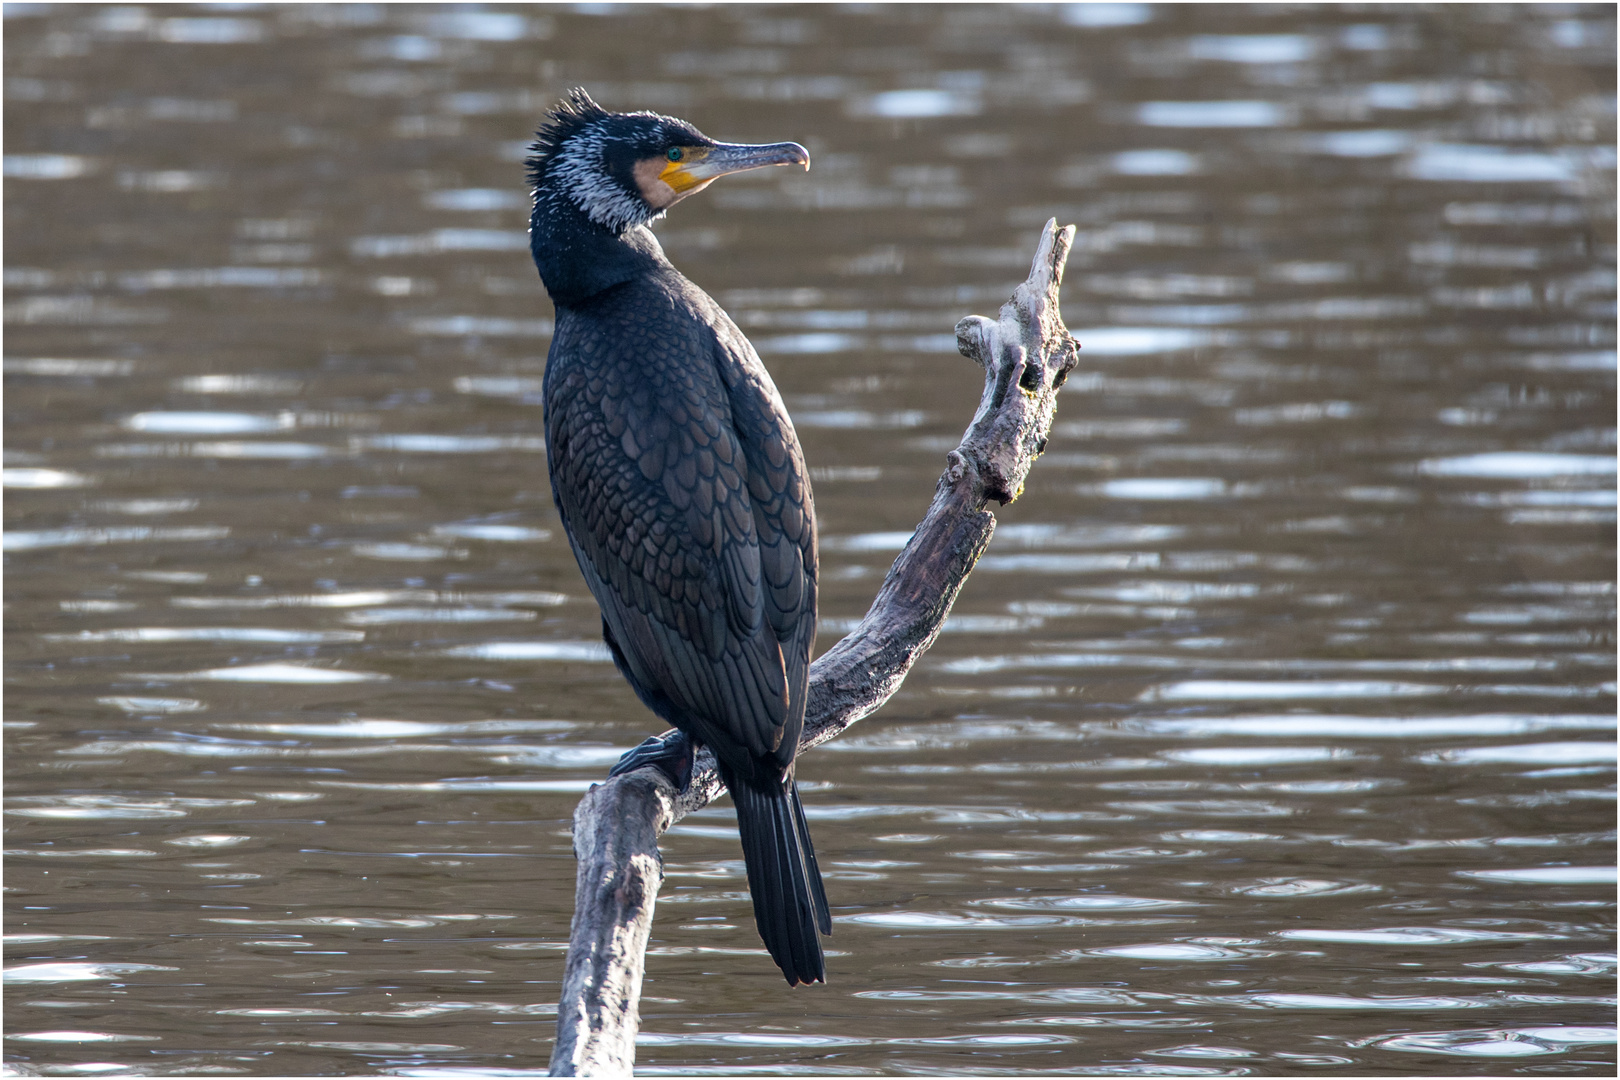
(702,164)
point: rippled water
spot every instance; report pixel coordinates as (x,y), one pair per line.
(1274,734)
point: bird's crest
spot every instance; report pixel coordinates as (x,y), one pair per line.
(573,114)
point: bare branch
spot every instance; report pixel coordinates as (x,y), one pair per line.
(1026,354)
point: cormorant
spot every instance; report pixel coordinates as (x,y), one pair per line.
(681,486)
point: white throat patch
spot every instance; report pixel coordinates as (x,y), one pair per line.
(582,174)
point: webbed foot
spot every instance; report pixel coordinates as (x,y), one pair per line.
(672,753)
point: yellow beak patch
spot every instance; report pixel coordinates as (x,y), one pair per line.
(677,175)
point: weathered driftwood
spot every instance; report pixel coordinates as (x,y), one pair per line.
(1026,354)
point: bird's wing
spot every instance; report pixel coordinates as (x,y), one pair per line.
(653,488)
(784,515)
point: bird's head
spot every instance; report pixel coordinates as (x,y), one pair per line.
(625,169)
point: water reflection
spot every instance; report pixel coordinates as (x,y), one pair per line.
(31,539)
(267,673)
(1499,1043)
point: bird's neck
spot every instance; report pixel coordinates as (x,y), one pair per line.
(578,258)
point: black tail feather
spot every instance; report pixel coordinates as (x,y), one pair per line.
(790,902)
(818,891)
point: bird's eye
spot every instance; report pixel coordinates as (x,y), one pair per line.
(674,153)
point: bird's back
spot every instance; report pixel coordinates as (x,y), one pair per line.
(684,493)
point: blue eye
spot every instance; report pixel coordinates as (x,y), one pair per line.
(674,153)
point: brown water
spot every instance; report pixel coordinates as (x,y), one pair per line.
(1274,735)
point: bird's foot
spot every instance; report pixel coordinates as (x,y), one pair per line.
(672,753)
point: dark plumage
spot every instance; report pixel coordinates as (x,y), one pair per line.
(681,485)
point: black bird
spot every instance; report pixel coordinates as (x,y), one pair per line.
(681,486)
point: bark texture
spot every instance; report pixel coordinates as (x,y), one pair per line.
(1026,353)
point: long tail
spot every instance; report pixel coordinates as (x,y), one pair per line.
(790,902)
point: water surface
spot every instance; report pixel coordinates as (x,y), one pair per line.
(1274,735)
